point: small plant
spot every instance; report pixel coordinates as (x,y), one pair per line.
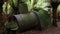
(8,11)
(38,4)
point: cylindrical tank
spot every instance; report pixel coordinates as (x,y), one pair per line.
(40,20)
(26,21)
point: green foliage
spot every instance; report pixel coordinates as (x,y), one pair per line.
(58,8)
(15,2)
(23,9)
(41,5)
(11,25)
(30,4)
(7,9)
(38,4)
(4,7)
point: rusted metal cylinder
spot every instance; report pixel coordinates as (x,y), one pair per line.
(26,21)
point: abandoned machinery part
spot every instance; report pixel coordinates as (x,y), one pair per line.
(30,20)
